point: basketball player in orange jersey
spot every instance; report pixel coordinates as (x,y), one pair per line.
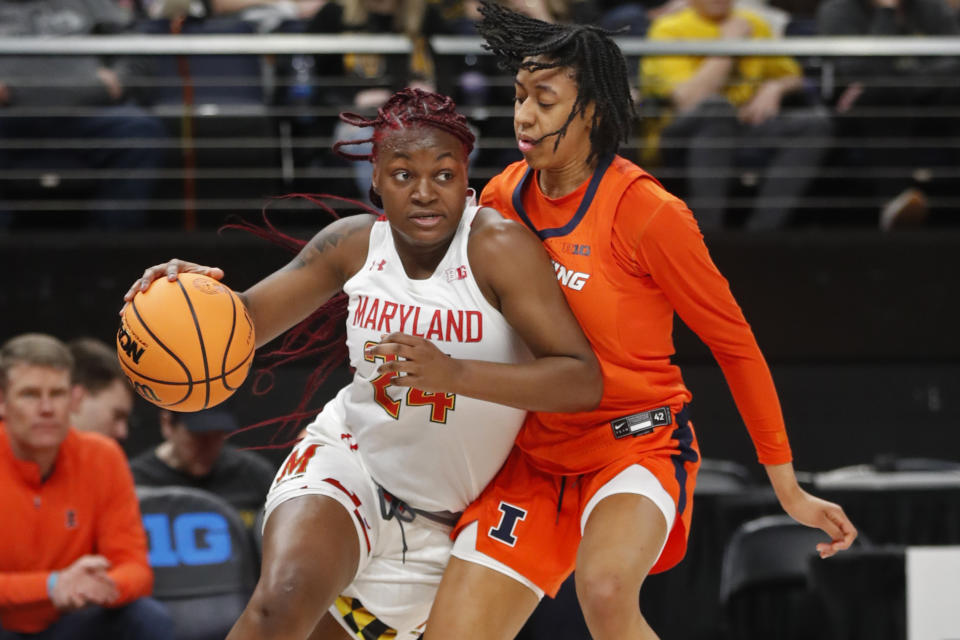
(359,517)
(609,490)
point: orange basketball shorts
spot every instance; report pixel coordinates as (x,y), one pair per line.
(531,520)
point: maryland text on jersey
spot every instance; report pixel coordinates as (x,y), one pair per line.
(446,325)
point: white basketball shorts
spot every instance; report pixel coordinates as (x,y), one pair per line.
(392,590)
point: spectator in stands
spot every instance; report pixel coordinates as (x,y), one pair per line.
(194,454)
(73,552)
(718,104)
(50,98)
(414,18)
(267,15)
(903,87)
(107,399)
(634,16)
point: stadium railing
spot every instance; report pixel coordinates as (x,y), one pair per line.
(229,155)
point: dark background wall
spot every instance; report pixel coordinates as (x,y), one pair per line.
(860,329)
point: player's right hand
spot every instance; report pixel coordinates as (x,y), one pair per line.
(170,269)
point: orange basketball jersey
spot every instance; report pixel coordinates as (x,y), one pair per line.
(627,255)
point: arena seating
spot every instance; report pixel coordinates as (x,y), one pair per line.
(763,583)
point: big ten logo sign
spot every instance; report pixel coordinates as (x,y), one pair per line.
(190,539)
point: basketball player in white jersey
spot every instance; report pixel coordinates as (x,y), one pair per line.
(455,327)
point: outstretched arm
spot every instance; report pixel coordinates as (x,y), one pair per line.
(672,250)
(515,274)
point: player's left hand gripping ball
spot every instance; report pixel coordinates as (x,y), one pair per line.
(186,344)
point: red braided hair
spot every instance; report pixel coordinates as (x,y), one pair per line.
(406,108)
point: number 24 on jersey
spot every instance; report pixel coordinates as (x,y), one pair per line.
(440,403)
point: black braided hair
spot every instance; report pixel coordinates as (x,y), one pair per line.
(599,68)
(407,108)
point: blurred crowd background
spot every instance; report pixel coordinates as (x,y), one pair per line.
(134,141)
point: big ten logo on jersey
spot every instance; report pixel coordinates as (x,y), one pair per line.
(191,539)
(296,463)
(575,249)
(439,403)
(569,278)
(456,273)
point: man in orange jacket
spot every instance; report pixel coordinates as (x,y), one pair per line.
(73,552)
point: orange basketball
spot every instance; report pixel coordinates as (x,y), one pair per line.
(186,345)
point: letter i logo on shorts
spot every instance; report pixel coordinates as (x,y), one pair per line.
(509,516)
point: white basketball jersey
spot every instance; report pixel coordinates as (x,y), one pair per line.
(435,451)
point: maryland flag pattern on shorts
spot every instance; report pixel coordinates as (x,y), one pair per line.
(364,624)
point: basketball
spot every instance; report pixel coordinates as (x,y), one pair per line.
(186,344)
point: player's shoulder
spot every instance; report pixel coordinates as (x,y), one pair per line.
(359,223)
(506,179)
(643,191)
(344,238)
(492,231)
(514,168)
(646,200)
(499,248)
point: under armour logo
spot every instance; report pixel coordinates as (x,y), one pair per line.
(377,265)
